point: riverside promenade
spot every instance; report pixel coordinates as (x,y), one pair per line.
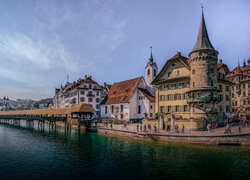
(214,136)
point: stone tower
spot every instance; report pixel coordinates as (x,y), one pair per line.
(203,74)
(151,71)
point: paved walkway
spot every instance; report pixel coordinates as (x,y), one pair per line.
(214,132)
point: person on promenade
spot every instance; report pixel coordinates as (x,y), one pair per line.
(239,130)
(137,127)
(168,128)
(216,125)
(111,126)
(155,129)
(182,128)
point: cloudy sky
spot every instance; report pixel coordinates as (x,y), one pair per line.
(43,41)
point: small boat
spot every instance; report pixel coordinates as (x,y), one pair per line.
(91,129)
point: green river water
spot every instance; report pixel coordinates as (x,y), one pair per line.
(32,154)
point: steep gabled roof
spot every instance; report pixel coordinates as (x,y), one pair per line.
(203,41)
(178,56)
(122,92)
(147,94)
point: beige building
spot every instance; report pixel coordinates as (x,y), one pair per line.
(240,95)
(194,90)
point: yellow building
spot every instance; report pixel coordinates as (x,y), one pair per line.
(193,91)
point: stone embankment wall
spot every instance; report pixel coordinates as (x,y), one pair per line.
(234,139)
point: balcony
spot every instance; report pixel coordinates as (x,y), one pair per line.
(203,99)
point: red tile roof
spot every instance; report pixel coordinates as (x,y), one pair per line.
(147,94)
(122,92)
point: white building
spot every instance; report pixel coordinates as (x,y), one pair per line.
(84,91)
(132,99)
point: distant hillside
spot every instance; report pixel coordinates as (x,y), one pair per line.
(23,104)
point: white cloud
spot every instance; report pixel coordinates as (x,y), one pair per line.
(45,55)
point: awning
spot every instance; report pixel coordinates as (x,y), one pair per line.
(228,115)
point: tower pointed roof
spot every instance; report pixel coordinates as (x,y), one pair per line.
(151,56)
(203,41)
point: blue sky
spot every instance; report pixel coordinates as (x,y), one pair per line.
(43,41)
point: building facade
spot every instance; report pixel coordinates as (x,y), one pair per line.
(240,95)
(83,91)
(133,99)
(194,90)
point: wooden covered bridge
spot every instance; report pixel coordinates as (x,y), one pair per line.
(80,114)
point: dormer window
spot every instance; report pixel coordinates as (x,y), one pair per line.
(173,65)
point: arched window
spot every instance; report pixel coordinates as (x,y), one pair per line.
(148,72)
(154,72)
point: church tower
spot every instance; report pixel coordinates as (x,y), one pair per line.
(151,71)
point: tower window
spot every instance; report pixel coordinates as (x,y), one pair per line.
(193,84)
(154,72)
(193,72)
(148,72)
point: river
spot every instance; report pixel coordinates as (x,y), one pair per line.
(32,154)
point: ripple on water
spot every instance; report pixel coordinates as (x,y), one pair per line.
(33,154)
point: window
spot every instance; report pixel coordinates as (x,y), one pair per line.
(82,99)
(227,109)
(173,65)
(177,108)
(97,93)
(151,107)
(82,92)
(169,108)
(97,100)
(89,93)
(193,72)
(244,93)
(169,74)
(200,54)
(97,106)
(220,87)
(220,107)
(177,73)
(185,108)
(121,108)
(139,109)
(154,72)
(244,86)
(90,86)
(232,95)
(185,85)
(212,83)
(193,84)
(212,70)
(161,109)
(112,109)
(148,72)
(90,99)
(227,98)
(151,114)
(232,87)
(95,87)
(227,88)
(106,110)
(85,86)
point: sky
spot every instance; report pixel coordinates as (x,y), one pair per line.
(41,42)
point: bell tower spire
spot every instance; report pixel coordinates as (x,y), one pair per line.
(151,56)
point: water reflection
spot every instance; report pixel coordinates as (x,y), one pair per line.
(30,152)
